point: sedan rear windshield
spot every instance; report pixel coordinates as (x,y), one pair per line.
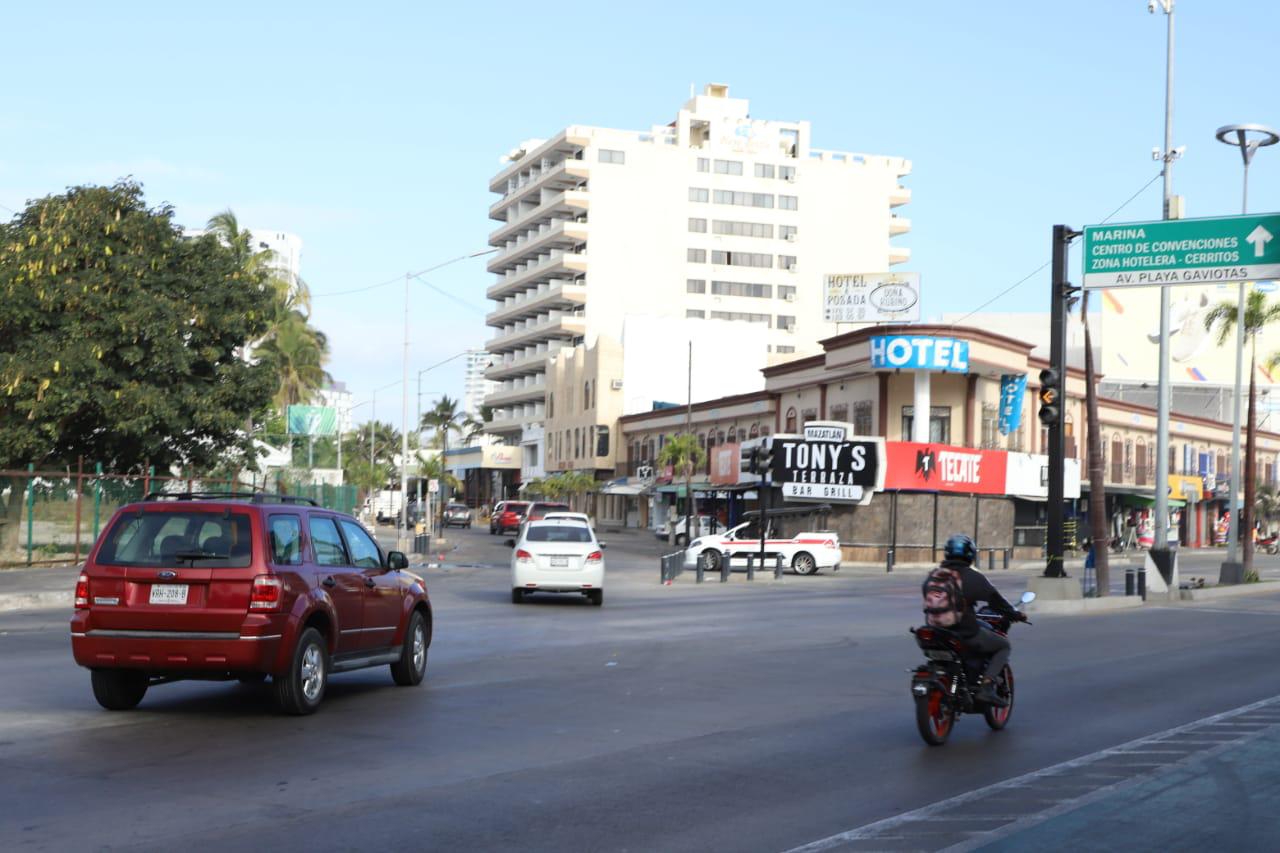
(558,533)
(216,540)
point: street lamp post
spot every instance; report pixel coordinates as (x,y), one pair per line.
(1248,138)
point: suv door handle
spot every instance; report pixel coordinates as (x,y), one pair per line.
(369,582)
(329,581)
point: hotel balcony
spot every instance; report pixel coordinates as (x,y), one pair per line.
(548,295)
(556,265)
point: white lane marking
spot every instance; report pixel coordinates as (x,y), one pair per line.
(874,830)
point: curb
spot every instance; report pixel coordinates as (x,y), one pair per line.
(1085,605)
(13,601)
(1234,591)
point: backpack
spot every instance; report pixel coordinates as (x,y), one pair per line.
(943,598)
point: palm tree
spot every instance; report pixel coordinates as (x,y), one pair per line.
(297,352)
(443,417)
(1099,528)
(1257,316)
(475,426)
(684,454)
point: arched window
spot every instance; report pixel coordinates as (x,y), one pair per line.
(755,431)
(720,437)
(733,434)
(791,420)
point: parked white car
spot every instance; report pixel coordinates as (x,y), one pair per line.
(805,553)
(703,525)
(557,555)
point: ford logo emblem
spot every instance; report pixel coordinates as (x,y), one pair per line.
(166,575)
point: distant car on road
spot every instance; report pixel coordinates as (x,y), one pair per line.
(704,525)
(217,586)
(557,555)
(507,515)
(539,509)
(457,515)
(805,553)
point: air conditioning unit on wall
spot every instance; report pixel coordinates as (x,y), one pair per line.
(616,384)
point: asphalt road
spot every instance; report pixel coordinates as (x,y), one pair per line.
(731,717)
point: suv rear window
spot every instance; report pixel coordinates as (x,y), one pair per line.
(210,539)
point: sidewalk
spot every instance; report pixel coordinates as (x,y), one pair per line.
(33,589)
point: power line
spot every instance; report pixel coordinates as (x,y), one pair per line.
(1040,268)
(392,281)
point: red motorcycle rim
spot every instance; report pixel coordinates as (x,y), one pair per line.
(939,716)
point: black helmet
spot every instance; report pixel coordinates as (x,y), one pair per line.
(961,547)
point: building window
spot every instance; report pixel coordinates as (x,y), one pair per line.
(695,285)
(697,226)
(939,423)
(1140,463)
(990,425)
(791,420)
(755,431)
(787,232)
(788,202)
(741,288)
(787,292)
(741,259)
(741,315)
(608,156)
(704,165)
(695,314)
(808,415)
(786,262)
(743,198)
(733,435)
(551,404)
(728,167)
(786,322)
(784,349)
(698,194)
(696,256)
(1117,459)
(839,412)
(742,229)
(787,173)
(586,395)
(862,418)
(764,170)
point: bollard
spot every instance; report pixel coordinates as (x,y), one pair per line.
(1130,582)
(777,568)
(724,568)
(1007,551)
(991,560)
(700,568)
(1142,583)
(751,567)
(888,559)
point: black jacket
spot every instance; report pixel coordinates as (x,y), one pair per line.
(975,587)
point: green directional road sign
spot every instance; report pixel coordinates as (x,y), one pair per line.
(1182,251)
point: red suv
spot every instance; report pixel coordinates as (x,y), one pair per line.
(507,515)
(220,586)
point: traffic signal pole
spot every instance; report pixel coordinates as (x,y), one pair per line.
(1052,400)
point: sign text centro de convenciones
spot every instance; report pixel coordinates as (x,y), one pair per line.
(884,297)
(919,352)
(1182,251)
(828,463)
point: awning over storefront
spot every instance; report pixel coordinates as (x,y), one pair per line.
(622,487)
(1147,501)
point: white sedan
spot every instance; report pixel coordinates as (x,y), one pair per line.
(557,555)
(805,553)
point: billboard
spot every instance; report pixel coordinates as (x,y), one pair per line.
(871,297)
(919,352)
(312,420)
(1131,335)
(828,464)
(943,468)
(725,464)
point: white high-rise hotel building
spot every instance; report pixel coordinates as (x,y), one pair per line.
(717,215)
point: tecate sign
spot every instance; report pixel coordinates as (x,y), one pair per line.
(918,352)
(823,465)
(871,298)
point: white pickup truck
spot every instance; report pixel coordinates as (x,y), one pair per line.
(805,553)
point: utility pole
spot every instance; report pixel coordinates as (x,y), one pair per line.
(1159,543)
(688,431)
(1053,381)
(404,420)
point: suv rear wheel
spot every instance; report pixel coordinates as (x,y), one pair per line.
(300,689)
(118,689)
(412,665)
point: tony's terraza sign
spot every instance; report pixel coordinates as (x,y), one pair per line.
(828,463)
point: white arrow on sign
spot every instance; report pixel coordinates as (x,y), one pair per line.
(1259,237)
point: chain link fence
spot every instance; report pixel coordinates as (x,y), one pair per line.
(54,517)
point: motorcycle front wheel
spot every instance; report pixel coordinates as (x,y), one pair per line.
(998,718)
(934,717)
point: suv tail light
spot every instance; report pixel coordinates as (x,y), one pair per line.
(595,557)
(265,595)
(82,592)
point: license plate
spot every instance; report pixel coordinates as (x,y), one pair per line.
(169,593)
(559,561)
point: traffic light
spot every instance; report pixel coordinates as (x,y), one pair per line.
(764,458)
(747,459)
(1050,396)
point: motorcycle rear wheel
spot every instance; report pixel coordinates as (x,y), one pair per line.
(998,718)
(934,718)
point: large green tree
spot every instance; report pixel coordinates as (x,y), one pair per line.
(121,341)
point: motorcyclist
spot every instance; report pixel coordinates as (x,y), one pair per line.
(959,555)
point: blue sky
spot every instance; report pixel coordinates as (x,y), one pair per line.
(371,131)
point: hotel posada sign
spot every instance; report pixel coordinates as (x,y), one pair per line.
(943,468)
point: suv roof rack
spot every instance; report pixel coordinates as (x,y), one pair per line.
(254,497)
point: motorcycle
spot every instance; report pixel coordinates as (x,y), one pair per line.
(946,685)
(1269,544)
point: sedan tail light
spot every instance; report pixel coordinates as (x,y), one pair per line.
(265,595)
(82,592)
(522,554)
(595,557)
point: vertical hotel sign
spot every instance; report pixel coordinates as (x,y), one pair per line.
(1013,389)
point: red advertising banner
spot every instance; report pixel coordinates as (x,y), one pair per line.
(943,468)
(725,464)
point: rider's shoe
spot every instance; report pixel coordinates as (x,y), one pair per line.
(987,693)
